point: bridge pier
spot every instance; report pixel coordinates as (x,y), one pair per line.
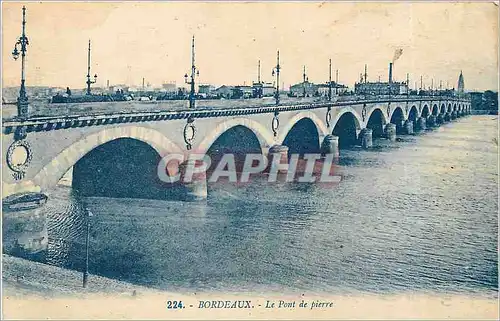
(447,116)
(421,123)
(453,115)
(400,127)
(390,132)
(330,145)
(26,234)
(366,138)
(196,189)
(279,152)
(408,127)
(440,119)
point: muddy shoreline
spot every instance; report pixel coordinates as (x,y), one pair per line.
(34,290)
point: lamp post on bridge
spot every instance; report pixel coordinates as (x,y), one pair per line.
(330,81)
(194,72)
(336,81)
(22,100)
(89,81)
(407,86)
(276,71)
(304,80)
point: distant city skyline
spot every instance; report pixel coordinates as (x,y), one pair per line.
(153,40)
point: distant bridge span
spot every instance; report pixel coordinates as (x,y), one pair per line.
(41,150)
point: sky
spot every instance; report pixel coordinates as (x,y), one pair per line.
(132,40)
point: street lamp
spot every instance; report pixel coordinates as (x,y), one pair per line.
(276,71)
(22,100)
(336,81)
(304,80)
(330,82)
(89,81)
(87,244)
(194,72)
(407,87)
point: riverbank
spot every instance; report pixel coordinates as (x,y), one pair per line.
(484,112)
(38,291)
(23,277)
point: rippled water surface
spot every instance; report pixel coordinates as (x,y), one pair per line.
(415,215)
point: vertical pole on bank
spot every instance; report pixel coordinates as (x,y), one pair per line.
(87,243)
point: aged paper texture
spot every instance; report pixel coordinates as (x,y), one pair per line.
(249,160)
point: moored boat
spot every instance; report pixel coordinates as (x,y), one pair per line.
(23,201)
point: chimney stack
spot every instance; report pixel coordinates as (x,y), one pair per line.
(390,72)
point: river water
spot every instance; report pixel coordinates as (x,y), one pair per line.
(419,215)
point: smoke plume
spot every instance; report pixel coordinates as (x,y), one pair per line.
(397,54)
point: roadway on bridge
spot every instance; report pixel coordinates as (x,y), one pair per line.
(39,108)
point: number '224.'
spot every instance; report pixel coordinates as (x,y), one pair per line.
(174,305)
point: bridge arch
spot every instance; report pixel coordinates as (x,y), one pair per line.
(413,114)
(449,107)
(454,107)
(51,173)
(397,109)
(435,110)
(304,136)
(376,121)
(425,112)
(346,125)
(319,124)
(357,118)
(443,109)
(398,118)
(379,108)
(265,137)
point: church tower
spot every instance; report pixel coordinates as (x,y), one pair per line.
(461,83)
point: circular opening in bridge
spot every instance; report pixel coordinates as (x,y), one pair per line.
(124,167)
(19,155)
(376,123)
(345,129)
(303,138)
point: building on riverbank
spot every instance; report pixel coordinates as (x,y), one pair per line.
(262,89)
(304,89)
(485,101)
(337,89)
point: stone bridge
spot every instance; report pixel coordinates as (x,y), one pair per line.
(42,150)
